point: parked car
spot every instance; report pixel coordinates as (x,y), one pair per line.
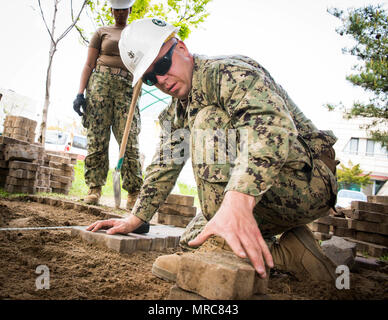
(345,198)
(61,141)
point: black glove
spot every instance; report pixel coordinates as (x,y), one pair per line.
(78,103)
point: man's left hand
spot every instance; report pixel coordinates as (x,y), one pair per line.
(235,223)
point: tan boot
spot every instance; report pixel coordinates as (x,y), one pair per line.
(131,199)
(299,253)
(166,267)
(93,196)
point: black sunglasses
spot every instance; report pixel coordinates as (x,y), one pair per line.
(161,67)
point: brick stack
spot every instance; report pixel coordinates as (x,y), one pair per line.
(18,160)
(61,172)
(20,128)
(178,210)
(365,223)
(26,168)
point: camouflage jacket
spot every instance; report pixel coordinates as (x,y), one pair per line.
(272,122)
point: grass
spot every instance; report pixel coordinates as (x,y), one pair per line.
(187,190)
(384,258)
(80,189)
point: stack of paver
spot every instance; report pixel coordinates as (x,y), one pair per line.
(19,165)
(178,210)
(19,128)
(25,167)
(217,276)
(61,172)
(365,223)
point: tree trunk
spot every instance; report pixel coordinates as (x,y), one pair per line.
(53,48)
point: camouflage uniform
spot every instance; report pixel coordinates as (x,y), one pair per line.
(108,97)
(279,160)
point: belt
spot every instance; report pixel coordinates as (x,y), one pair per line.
(111,70)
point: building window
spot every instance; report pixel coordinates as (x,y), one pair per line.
(374,148)
(370,147)
(352,146)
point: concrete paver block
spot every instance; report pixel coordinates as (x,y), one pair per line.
(216,275)
(177,293)
(178,210)
(368,206)
(175,220)
(180,200)
(319,227)
(340,251)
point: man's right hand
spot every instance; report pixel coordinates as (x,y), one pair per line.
(114,226)
(78,103)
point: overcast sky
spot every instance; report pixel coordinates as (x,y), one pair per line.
(294,40)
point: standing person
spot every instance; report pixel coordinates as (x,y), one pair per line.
(108,97)
(282,177)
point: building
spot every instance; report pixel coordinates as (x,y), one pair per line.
(355,145)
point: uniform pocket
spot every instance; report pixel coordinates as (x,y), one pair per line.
(214,173)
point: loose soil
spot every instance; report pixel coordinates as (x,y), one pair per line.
(79,270)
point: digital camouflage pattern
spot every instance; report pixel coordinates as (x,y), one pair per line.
(108,97)
(278,154)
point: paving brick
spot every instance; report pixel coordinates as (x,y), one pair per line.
(67,204)
(340,251)
(8,140)
(169,219)
(45,170)
(57,158)
(322,236)
(177,293)
(372,207)
(344,232)
(367,263)
(23,152)
(119,243)
(42,183)
(325,220)
(23,165)
(319,227)
(378,199)
(371,249)
(368,226)
(18,189)
(216,275)
(177,209)
(371,237)
(367,216)
(61,179)
(22,174)
(180,199)
(20,182)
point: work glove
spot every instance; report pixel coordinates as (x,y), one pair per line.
(78,103)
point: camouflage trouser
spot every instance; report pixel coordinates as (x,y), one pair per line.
(294,199)
(108,98)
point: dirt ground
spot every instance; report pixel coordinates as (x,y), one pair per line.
(82,271)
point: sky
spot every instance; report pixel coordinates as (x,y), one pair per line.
(294,40)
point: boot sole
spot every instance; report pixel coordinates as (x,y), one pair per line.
(163,274)
(309,242)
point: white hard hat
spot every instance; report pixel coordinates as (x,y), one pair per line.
(121,4)
(140,43)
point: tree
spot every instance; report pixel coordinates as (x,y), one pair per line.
(368,27)
(53,49)
(347,176)
(187,14)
